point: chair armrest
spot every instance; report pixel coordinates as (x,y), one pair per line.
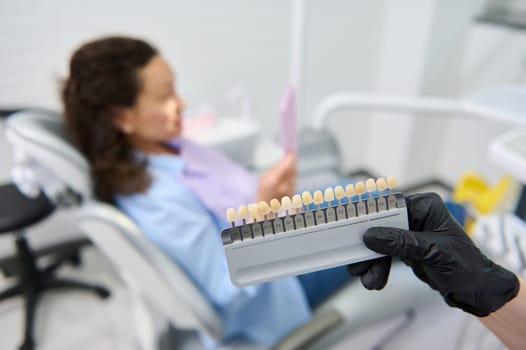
(319,325)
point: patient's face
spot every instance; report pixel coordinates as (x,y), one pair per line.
(156,116)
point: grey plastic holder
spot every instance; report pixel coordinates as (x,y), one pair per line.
(264,258)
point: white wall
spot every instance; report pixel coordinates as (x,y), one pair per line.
(213,45)
(441,76)
(343,49)
(494,55)
(406,40)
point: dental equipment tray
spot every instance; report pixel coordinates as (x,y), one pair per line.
(308,241)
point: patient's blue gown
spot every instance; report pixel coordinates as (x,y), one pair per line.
(183,213)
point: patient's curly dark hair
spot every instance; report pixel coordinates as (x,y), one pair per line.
(103,75)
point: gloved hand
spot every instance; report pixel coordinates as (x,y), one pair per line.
(440,254)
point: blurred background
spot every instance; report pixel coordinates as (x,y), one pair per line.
(233,61)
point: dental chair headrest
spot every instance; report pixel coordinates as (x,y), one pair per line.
(44,158)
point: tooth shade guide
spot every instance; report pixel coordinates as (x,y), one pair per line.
(304,248)
(370,192)
(369,198)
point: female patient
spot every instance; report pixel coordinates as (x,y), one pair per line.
(124,113)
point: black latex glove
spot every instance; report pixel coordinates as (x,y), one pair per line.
(440,254)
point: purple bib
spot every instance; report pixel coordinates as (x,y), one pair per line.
(219,182)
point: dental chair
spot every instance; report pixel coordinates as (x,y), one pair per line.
(169,310)
(19,214)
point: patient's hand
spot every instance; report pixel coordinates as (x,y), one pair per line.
(278,181)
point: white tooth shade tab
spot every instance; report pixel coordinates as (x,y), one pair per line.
(286,203)
(360,188)
(242,212)
(381,184)
(231,215)
(350,191)
(328,195)
(370,185)
(253,210)
(264,208)
(391,182)
(296,201)
(339,192)
(306,197)
(275,205)
(318,197)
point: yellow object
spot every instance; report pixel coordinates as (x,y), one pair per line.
(473,189)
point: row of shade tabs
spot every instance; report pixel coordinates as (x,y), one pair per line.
(356,193)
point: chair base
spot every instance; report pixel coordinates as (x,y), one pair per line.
(10,265)
(34,281)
